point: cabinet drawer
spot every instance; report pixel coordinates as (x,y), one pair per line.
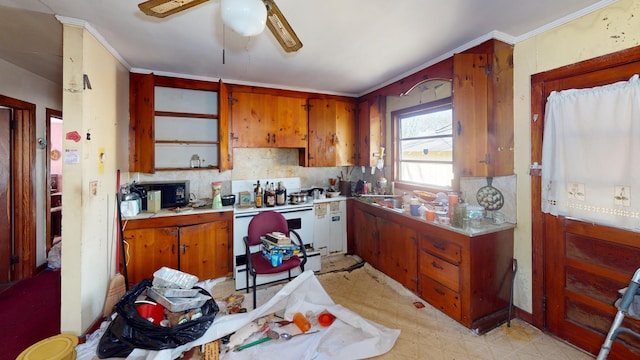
(440,270)
(441,248)
(440,297)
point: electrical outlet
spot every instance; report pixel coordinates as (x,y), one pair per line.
(93,188)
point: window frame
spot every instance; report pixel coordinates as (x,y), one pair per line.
(425,108)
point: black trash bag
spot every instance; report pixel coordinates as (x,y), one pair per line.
(130,330)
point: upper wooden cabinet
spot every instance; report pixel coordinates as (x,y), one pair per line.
(483,111)
(172,119)
(266,120)
(370,122)
(332,132)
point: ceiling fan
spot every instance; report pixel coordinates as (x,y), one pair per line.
(244,16)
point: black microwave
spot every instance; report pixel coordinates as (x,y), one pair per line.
(172,194)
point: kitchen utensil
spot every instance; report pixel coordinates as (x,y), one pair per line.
(228,200)
(489,197)
(271,335)
(298,197)
(287,336)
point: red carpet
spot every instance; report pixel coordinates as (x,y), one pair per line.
(29,312)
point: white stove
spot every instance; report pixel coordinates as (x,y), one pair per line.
(299,216)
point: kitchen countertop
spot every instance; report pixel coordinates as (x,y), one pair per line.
(487,226)
(190,211)
(184,211)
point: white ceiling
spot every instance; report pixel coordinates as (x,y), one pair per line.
(350,46)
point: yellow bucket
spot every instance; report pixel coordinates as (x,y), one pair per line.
(59,347)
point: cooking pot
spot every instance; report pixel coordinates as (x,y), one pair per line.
(298,197)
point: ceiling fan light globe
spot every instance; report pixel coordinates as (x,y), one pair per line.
(246,17)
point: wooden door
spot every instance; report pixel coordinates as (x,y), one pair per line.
(322,132)
(398,252)
(470,96)
(204,250)
(577,267)
(21,167)
(142,123)
(345,138)
(6,241)
(365,234)
(369,131)
(253,119)
(149,250)
(292,122)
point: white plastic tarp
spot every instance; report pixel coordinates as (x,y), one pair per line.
(349,337)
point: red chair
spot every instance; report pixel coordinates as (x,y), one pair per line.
(261,224)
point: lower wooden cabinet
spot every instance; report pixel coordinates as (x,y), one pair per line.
(387,246)
(466,277)
(198,244)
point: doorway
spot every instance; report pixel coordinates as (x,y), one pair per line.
(53,183)
(578,266)
(17,190)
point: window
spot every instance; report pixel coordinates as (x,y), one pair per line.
(424,144)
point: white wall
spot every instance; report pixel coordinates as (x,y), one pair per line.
(608,30)
(20,84)
(89,224)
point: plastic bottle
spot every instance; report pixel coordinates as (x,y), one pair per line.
(217,201)
(301,322)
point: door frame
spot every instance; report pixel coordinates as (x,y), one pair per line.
(24,189)
(542,84)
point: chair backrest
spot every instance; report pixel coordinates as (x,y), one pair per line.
(266,222)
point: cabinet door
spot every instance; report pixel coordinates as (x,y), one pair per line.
(252,119)
(204,250)
(332,135)
(322,132)
(345,139)
(398,252)
(365,236)
(149,250)
(141,123)
(226,162)
(292,123)
(470,100)
(369,131)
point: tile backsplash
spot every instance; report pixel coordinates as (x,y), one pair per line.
(249,163)
(469,187)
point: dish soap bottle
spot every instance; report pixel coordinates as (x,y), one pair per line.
(217,199)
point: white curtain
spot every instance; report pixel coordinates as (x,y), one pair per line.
(591,154)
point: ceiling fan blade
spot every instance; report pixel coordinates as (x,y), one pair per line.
(163,8)
(281,28)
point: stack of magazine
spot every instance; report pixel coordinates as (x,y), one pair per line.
(279,246)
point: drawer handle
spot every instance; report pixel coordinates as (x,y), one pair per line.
(436,265)
(173,248)
(439,246)
(440,292)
